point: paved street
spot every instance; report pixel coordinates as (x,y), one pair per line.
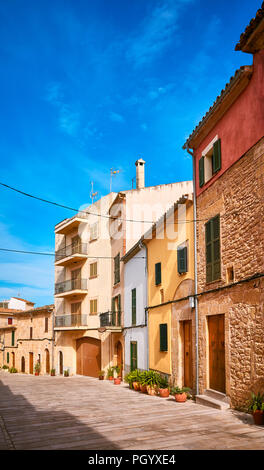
(85,413)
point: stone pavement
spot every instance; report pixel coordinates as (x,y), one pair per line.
(85,413)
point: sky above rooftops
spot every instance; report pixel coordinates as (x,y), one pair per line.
(88,86)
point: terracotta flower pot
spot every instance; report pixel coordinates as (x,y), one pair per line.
(164,392)
(101,377)
(151,390)
(143,388)
(52,374)
(181,397)
(110,378)
(258,417)
(36,373)
(117,381)
(136,386)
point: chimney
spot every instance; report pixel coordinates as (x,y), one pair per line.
(140,179)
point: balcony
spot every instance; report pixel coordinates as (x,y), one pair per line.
(71,288)
(68,225)
(71,254)
(111,321)
(71,321)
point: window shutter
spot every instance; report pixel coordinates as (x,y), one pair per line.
(157,274)
(217,156)
(201,172)
(7,358)
(13,338)
(182,260)
(163,337)
(133,355)
(134,306)
(212,240)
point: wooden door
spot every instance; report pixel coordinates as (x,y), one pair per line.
(61,362)
(47,361)
(76,244)
(133,355)
(88,356)
(31,363)
(13,360)
(76,278)
(187,352)
(216,324)
(23,364)
(119,353)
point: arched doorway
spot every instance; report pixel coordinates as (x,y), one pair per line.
(47,361)
(61,363)
(23,365)
(13,359)
(88,356)
(119,356)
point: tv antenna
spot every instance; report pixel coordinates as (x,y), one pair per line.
(92,193)
(113,172)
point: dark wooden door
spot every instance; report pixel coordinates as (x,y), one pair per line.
(47,361)
(216,328)
(119,353)
(88,356)
(187,351)
(61,363)
(31,363)
(23,364)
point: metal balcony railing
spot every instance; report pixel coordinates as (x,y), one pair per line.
(71,284)
(73,249)
(74,319)
(110,319)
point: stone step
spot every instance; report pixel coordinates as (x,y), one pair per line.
(216,395)
(212,402)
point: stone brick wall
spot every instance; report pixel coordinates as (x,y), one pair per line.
(238,196)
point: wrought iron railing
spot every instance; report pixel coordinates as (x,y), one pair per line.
(110,319)
(71,284)
(74,319)
(73,249)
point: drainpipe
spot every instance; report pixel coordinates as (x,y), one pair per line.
(195,274)
(52,341)
(141,245)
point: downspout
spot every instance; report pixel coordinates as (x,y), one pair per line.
(195,275)
(141,246)
(52,341)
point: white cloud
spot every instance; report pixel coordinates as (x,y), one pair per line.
(115,117)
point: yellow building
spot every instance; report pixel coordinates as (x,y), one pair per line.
(170,261)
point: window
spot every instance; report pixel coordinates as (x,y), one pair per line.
(93,270)
(31,333)
(116,310)
(94,231)
(7,358)
(133,355)
(230,274)
(134,306)
(46,324)
(10,321)
(182,260)
(157,274)
(212,241)
(3,304)
(163,337)
(93,306)
(210,162)
(117,268)
(13,338)
(76,307)
(76,244)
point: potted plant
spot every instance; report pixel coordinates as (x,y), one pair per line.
(5,368)
(163,385)
(12,370)
(180,394)
(152,381)
(142,382)
(128,379)
(117,380)
(110,373)
(66,373)
(256,407)
(136,375)
(52,372)
(101,374)
(37,368)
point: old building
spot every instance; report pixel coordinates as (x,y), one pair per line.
(228,153)
(28,339)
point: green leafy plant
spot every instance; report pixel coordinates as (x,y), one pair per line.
(179,390)
(52,372)
(5,367)
(256,402)
(66,373)
(163,382)
(101,373)
(110,372)
(116,369)
(13,370)
(152,378)
(37,367)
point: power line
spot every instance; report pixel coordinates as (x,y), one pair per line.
(53,254)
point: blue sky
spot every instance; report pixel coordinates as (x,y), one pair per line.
(86,86)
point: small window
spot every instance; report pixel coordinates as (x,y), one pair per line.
(157,274)
(134,306)
(94,231)
(31,333)
(93,270)
(10,321)
(46,324)
(93,307)
(13,338)
(117,268)
(182,260)
(3,304)
(163,337)
(210,162)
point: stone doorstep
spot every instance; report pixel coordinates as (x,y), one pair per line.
(213,399)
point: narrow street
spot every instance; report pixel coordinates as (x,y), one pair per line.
(84,413)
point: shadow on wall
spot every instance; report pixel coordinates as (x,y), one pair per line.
(52,429)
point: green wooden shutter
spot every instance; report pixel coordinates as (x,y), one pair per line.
(134,306)
(117,268)
(182,260)
(13,338)
(113,311)
(212,241)
(163,337)
(201,172)
(217,156)
(7,358)
(133,355)
(157,274)
(119,309)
